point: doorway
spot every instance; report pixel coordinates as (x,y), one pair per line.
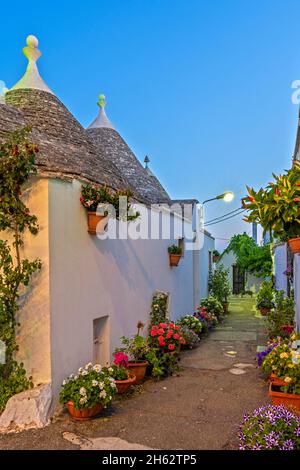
(238,280)
(101,352)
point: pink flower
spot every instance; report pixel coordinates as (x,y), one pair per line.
(121,359)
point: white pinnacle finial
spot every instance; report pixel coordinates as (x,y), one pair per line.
(32,78)
(101,120)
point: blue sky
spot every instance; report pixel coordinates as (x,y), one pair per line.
(202,87)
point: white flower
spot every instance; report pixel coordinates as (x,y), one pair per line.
(83,400)
(101,385)
(110,369)
(88,366)
(76,377)
(82,391)
(95,383)
(71,376)
(80,370)
(97,368)
(64,382)
(102,394)
(113,384)
(112,380)
(85,372)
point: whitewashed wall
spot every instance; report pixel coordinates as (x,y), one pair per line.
(208,246)
(91,278)
(280,265)
(297,288)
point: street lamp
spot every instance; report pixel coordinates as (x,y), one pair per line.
(227,197)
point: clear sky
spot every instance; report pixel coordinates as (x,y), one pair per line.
(202,87)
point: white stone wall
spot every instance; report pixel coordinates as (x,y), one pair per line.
(280,265)
(91,278)
(208,246)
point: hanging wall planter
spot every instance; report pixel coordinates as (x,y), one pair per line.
(175,253)
(294,244)
(93,220)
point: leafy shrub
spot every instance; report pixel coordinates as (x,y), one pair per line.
(190,337)
(270,428)
(218,283)
(16,382)
(266,292)
(213,305)
(282,316)
(159,307)
(161,364)
(191,322)
(136,347)
(91,385)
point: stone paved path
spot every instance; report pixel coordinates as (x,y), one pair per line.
(199,409)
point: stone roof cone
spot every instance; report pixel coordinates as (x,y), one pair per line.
(101,120)
(32,78)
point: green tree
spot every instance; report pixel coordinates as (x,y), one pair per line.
(250,257)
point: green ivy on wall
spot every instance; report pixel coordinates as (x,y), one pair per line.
(17,158)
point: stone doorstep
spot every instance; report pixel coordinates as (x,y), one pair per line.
(27,410)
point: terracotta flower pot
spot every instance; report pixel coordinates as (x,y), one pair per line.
(264,311)
(225,307)
(84,414)
(215,258)
(294,244)
(174,259)
(139,370)
(123,385)
(276,381)
(287,399)
(93,220)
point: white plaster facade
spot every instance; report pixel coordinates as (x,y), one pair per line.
(297,289)
(280,266)
(87,282)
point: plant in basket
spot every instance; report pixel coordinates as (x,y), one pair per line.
(88,392)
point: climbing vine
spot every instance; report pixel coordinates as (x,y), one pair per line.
(17,158)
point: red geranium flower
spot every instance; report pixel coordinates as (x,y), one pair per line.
(176,327)
(163,325)
(176,336)
(169,335)
(160,331)
(153,333)
(171,347)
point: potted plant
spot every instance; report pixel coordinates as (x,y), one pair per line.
(191,339)
(280,320)
(136,348)
(265,298)
(206,317)
(175,253)
(284,362)
(120,373)
(219,286)
(191,322)
(270,428)
(94,197)
(167,337)
(214,306)
(216,256)
(88,392)
(276,208)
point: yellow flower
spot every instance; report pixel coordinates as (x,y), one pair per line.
(283,355)
(287,380)
(291,366)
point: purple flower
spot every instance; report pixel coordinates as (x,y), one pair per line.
(288,445)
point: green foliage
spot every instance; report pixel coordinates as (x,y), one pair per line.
(174,250)
(213,305)
(250,257)
(282,362)
(216,253)
(282,315)
(91,385)
(117,372)
(159,307)
(265,294)
(192,323)
(277,208)
(190,337)
(161,364)
(93,195)
(218,283)
(136,347)
(17,158)
(15,382)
